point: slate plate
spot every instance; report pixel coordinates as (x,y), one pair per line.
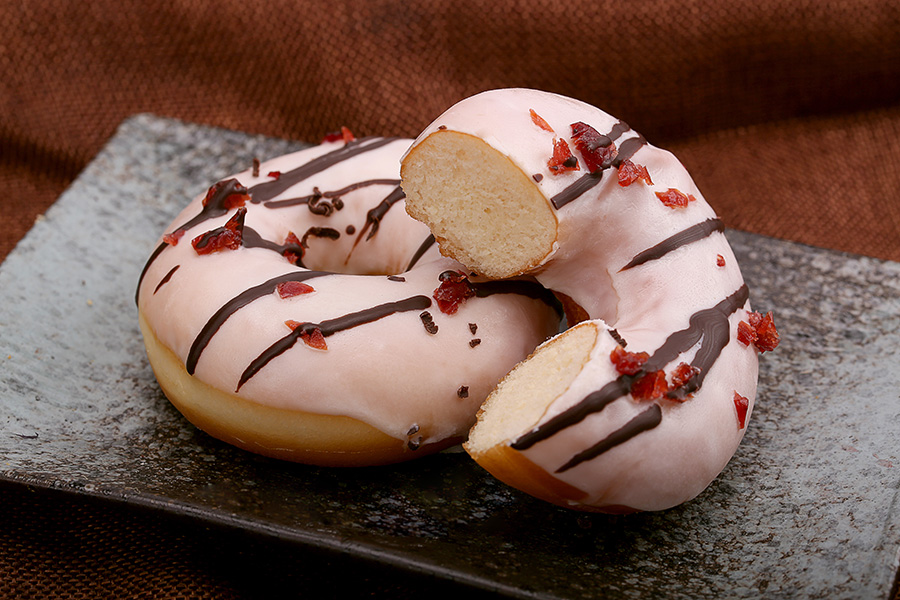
(808,507)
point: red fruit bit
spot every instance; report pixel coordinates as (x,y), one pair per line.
(675,199)
(234,200)
(344,135)
(289,289)
(275,174)
(313,338)
(627,363)
(760,331)
(172,238)
(742,405)
(596,149)
(454,290)
(650,386)
(227,237)
(682,374)
(720,260)
(766,334)
(310,334)
(562,160)
(630,172)
(539,121)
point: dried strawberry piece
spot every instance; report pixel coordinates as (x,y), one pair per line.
(596,149)
(310,334)
(289,289)
(650,386)
(344,135)
(630,172)
(172,238)
(682,374)
(742,405)
(227,237)
(539,121)
(313,338)
(674,198)
(562,160)
(238,196)
(274,174)
(627,363)
(766,334)
(720,260)
(454,290)
(760,331)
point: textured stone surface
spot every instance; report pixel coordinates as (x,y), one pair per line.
(807,508)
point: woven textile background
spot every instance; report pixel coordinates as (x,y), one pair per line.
(787,112)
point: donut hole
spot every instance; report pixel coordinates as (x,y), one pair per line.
(483,210)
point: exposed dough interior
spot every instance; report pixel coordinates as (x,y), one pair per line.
(522,397)
(500,224)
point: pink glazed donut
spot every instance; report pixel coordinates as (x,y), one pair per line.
(297,311)
(640,406)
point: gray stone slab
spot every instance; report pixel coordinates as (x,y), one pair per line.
(808,508)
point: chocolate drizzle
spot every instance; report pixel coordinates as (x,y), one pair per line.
(166,279)
(428,243)
(330,327)
(375,215)
(263,192)
(692,234)
(313,199)
(215,204)
(626,150)
(234,305)
(709,327)
(529,289)
(644,421)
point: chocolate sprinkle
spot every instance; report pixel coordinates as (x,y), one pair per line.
(473,327)
(396,278)
(428,322)
(463,391)
(475,342)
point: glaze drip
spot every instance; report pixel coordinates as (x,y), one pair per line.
(709,327)
(330,327)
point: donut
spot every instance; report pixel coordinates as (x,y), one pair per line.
(295,310)
(640,404)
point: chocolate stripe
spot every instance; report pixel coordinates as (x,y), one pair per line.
(288,202)
(331,327)
(690,235)
(428,243)
(589,180)
(166,279)
(263,192)
(529,289)
(235,304)
(645,421)
(709,326)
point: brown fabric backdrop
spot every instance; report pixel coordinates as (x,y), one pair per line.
(787,113)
